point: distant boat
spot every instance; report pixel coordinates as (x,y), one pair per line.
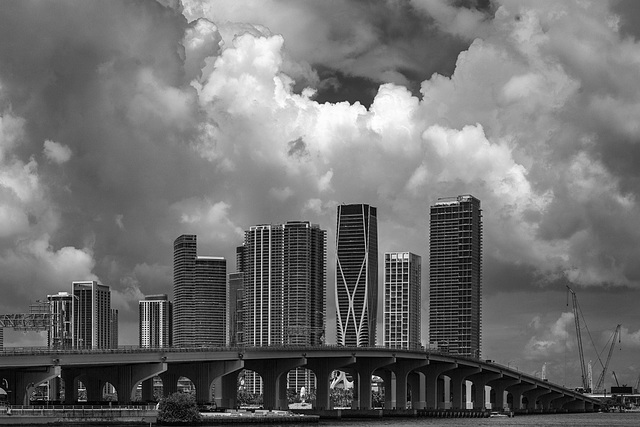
(496,414)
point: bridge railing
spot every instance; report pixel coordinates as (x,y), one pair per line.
(27,351)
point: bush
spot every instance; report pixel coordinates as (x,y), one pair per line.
(178,408)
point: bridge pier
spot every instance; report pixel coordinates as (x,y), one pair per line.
(480,381)
(390,390)
(431,373)
(21,383)
(458,378)
(417,383)
(274,391)
(546,400)
(518,391)
(226,390)
(402,368)
(203,374)
(560,402)
(500,386)
(365,367)
(322,368)
(533,396)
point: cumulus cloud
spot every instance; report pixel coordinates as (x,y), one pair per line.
(56,152)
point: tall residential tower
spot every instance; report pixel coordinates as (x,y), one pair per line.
(93,318)
(284,281)
(356,275)
(402,283)
(199,287)
(155,321)
(455,275)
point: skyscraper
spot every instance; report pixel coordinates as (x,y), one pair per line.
(402,290)
(284,284)
(356,275)
(455,275)
(92,315)
(185,250)
(200,288)
(60,331)
(235,322)
(155,321)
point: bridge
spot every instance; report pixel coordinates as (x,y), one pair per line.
(436,380)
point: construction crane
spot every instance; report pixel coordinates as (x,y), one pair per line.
(576,317)
(38,319)
(600,382)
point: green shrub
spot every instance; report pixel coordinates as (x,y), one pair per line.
(178,408)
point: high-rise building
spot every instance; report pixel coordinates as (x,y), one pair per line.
(455,275)
(284,284)
(155,321)
(92,315)
(200,299)
(356,275)
(402,290)
(185,250)
(234,315)
(113,328)
(211,301)
(60,330)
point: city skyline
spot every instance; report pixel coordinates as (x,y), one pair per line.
(140,121)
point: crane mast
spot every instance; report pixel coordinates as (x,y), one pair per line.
(600,382)
(576,316)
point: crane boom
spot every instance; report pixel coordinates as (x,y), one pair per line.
(574,300)
(600,382)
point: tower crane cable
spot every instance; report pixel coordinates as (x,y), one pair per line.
(577,313)
(600,382)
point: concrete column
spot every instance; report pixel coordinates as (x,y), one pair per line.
(203,374)
(322,368)
(417,383)
(227,390)
(517,391)
(389,387)
(500,385)
(366,366)
(21,383)
(94,386)
(562,403)
(402,368)
(432,372)
(69,378)
(147,390)
(169,382)
(533,396)
(271,371)
(54,389)
(547,399)
(458,377)
(480,381)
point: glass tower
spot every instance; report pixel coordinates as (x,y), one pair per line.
(356,275)
(455,275)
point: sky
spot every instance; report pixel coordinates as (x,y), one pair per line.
(125,124)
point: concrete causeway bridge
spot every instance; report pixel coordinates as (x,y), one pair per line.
(423,372)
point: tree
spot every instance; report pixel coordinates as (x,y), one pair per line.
(178,408)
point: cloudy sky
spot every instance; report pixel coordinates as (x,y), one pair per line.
(124,124)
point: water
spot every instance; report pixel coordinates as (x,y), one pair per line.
(613,419)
